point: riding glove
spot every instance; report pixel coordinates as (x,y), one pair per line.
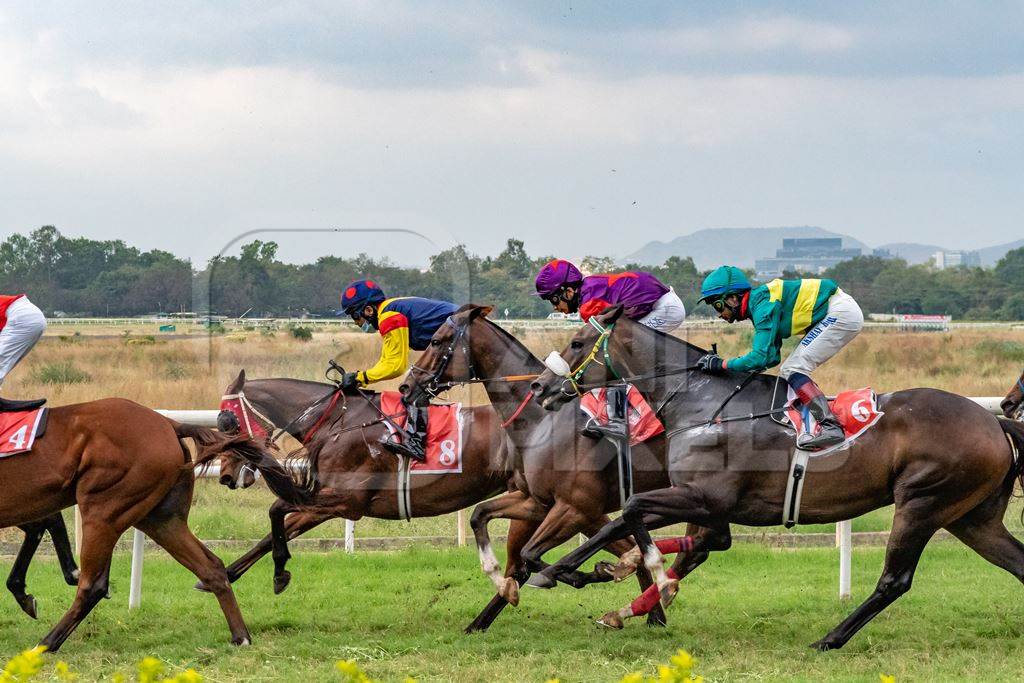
(711,363)
(350,381)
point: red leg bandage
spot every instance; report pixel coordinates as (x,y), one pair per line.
(649,598)
(671,546)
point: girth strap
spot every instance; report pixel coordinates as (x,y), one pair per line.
(402,488)
(794,488)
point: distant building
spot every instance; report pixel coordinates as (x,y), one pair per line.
(955,259)
(806,255)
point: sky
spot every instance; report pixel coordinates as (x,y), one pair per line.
(581,128)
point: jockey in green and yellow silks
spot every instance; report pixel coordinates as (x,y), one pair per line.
(826,316)
(404,323)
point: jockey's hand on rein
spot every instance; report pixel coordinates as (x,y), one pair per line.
(710,362)
(349,381)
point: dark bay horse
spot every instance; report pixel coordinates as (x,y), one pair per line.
(568,483)
(124,465)
(1012,404)
(942,460)
(352,476)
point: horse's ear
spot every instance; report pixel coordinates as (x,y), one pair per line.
(239,382)
(480,312)
(610,314)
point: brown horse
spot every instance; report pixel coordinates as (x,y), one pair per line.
(124,465)
(54,525)
(349,474)
(569,482)
(1013,404)
(943,460)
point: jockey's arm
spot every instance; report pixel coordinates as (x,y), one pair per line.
(764,351)
(394,355)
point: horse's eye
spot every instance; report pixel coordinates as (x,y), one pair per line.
(577,345)
(435,342)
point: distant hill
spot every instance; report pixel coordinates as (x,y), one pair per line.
(912,252)
(736,246)
(991,255)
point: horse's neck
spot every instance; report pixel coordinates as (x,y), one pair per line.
(501,356)
(285,400)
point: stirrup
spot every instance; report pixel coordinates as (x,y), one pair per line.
(9,406)
(613,430)
(830,435)
(408,450)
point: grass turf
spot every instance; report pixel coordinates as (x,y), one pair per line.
(748,614)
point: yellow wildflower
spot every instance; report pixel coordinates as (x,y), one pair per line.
(24,666)
(150,669)
(683,662)
(886,678)
(64,672)
(350,671)
(635,677)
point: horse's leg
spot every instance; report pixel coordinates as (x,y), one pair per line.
(983,531)
(296,524)
(683,547)
(62,546)
(98,539)
(16,579)
(515,505)
(279,541)
(911,531)
(704,541)
(174,536)
(561,523)
(519,532)
(663,504)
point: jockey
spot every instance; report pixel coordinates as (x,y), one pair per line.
(403,323)
(644,298)
(21,326)
(826,316)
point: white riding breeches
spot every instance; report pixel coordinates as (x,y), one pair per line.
(837,329)
(25,325)
(668,313)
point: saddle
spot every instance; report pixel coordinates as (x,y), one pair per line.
(9,406)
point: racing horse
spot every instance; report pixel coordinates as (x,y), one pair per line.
(124,465)
(1012,404)
(347,476)
(943,460)
(569,483)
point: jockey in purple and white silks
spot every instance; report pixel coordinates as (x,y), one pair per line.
(21,326)
(644,297)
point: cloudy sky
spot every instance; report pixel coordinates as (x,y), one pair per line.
(579,127)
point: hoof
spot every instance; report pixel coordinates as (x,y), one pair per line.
(28,606)
(824,645)
(605,570)
(612,620)
(510,591)
(71,578)
(541,581)
(281,582)
(627,564)
(241,642)
(200,586)
(668,592)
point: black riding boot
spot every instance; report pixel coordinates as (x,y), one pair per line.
(617,427)
(413,437)
(830,433)
(9,406)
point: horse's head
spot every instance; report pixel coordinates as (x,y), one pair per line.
(585,361)
(448,359)
(1013,404)
(236,473)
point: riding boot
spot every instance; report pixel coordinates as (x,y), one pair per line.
(830,431)
(410,443)
(617,427)
(9,406)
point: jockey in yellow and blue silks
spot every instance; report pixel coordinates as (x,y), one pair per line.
(826,316)
(404,323)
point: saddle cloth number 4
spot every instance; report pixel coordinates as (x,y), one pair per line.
(18,431)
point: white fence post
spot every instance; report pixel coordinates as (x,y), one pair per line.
(350,536)
(135,589)
(844,539)
(78,534)
(460,527)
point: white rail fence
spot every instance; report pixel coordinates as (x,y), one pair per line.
(208,418)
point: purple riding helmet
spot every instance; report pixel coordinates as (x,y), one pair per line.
(554,275)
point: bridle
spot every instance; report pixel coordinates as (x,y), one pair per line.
(433,386)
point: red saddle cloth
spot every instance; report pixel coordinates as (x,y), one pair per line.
(643,423)
(855,410)
(18,431)
(444,434)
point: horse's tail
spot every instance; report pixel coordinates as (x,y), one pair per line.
(211,444)
(1015,435)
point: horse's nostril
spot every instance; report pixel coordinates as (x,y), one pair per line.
(225,480)
(535,387)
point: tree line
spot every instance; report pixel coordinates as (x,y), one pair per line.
(80,276)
